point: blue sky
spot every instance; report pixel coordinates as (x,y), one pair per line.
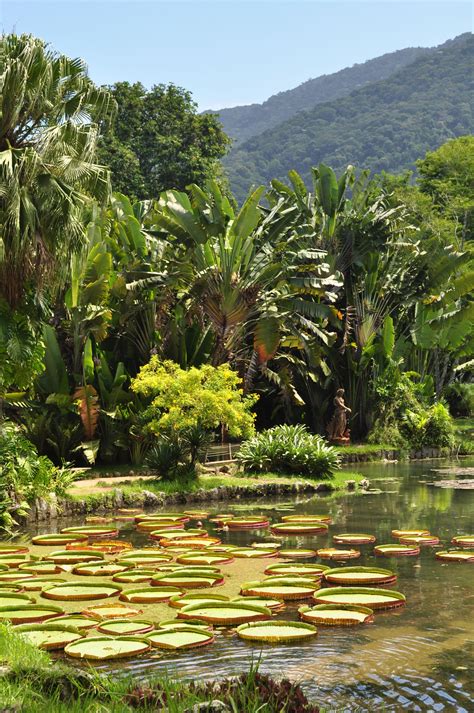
(230,52)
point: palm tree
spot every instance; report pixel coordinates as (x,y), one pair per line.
(47,168)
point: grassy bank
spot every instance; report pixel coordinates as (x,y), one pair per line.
(32,681)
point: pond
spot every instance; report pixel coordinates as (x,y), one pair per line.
(415,658)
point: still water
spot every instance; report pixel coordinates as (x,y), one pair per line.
(418,658)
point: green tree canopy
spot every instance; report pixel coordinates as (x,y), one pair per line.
(158,141)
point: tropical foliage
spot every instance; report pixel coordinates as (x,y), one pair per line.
(141,330)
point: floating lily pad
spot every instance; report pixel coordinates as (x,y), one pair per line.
(78,621)
(150,595)
(22,614)
(364,596)
(409,533)
(253,553)
(184,599)
(109,547)
(463,540)
(11,599)
(78,591)
(74,557)
(111,611)
(176,624)
(224,613)
(49,636)
(175,516)
(134,576)
(40,567)
(299,528)
(144,559)
(13,550)
(188,581)
(99,569)
(204,558)
(360,575)
(420,540)
(297,553)
(180,638)
(14,575)
(397,550)
(14,560)
(276,631)
(122,627)
(36,584)
(274,605)
(58,539)
(281,589)
(456,556)
(333,553)
(266,545)
(307,518)
(92,530)
(103,648)
(197,514)
(98,519)
(298,568)
(336,614)
(351,538)
(161,525)
(190,542)
(247,523)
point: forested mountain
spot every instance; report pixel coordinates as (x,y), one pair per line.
(385,125)
(242,122)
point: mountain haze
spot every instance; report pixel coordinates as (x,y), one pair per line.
(385,125)
(242,122)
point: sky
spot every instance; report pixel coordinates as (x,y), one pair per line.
(231,52)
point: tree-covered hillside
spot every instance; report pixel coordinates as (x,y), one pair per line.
(386,125)
(242,122)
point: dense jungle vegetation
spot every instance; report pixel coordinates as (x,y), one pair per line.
(252,315)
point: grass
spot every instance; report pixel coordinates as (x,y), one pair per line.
(35,682)
(205,482)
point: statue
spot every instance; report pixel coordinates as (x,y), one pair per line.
(337,427)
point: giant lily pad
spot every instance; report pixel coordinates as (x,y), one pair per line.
(191,542)
(49,636)
(197,514)
(183,600)
(365,596)
(100,569)
(109,547)
(78,621)
(203,558)
(456,556)
(176,624)
(275,605)
(409,533)
(463,540)
(181,638)
(280,589)
(111,611)
(397,550)
(40,567)
(420,540)
(13,576)
(352,538)
(174,516)
(224,613)
(253,553)
(74,556)
(150,595)
(36,584)
(297,553)
(276,631)
(13,560)
(134,576)
(92,530)
(145,559)
(11,599)
(13,550)
(296,568)
(336,614)
(360,575)
(122,627)
(247,523)
(102,648)
(307,518)
(162,525)
(79,591)
(58,539)
(299,528)
(25,613)
(333,553)
(187,580)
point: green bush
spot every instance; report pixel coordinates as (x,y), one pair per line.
(24,475)
(460,398)
(430,428)
(289,449)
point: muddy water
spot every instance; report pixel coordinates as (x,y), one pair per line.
(419,658)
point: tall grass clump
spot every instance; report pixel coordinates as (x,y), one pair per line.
(289,449)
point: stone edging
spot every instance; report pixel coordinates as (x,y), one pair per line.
(44,510)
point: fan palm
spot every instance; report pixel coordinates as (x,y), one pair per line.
(47,169)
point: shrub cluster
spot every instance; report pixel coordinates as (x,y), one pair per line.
(289,449)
